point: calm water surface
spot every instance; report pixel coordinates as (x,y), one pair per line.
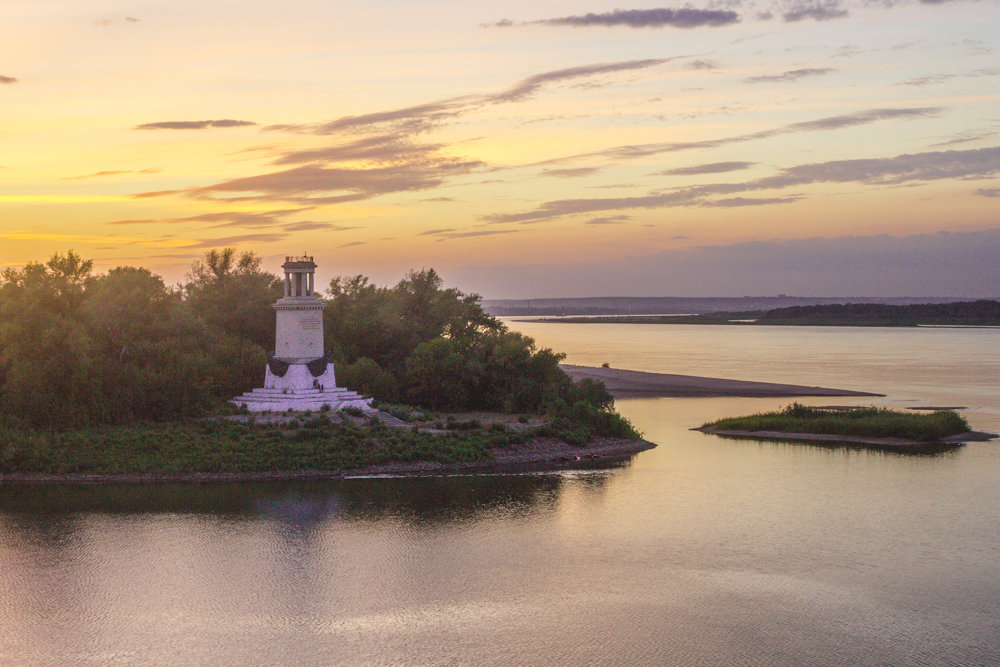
(701,551)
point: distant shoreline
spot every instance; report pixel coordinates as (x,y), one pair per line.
(536,455)
(968,314)
(623,383)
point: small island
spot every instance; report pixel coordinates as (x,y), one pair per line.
(868,425)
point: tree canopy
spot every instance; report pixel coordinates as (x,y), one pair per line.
(80,348)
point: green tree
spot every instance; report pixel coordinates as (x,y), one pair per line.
(230,291)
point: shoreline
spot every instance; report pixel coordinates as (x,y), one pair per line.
(622,383)
(887,443)
(536,455)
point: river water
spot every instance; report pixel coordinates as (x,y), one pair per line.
(701,551)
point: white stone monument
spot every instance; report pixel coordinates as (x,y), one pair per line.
(298,376)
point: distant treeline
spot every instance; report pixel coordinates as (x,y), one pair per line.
(631,305)
(78,348)
(962,313)
(966,313)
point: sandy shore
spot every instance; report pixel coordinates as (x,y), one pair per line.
(893,443)
(539,454)
(639,384)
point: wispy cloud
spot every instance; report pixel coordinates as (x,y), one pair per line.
(223,218)
(736,202)
(610,220)
(702,64)
(317,184)
(7,79)
(380,148)
(988,192)
(711,168)
(107,22)
(929,166)
(907,168)
(238,240)
(419,118)
(193,124)
(969,136)
(269,220)
(466,235)
(570,172)
(930,80)
(817,10)
(101,174)
(686,17)
(528,87)
(865,117)
(790,75)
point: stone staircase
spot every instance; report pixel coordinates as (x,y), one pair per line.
(282,400)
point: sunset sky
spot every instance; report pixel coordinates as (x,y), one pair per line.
(561,148)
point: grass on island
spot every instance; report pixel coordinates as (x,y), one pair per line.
(303,441)
(869,422)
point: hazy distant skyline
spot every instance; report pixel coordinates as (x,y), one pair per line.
(815,148)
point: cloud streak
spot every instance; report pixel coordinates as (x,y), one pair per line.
(194,124)
(7,79)
(313,184)
(820,124)
(906,168)
(102,174)
(711,168)
(662,17)
(416,119)
(822,10)
(790,75)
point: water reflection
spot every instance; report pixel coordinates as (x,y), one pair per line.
(420,501)
(925,450)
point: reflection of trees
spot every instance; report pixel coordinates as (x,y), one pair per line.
(928,450)
(428,500)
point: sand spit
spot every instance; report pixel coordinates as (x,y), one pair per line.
(640,384)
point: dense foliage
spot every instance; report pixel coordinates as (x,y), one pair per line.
(80,349)
(870,422)
(419,343)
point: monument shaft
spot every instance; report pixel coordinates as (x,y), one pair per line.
(299,314)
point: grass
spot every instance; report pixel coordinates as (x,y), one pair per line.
(872,422)
(226,446)
(296,442)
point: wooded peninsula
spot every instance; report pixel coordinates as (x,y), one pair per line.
(119,373)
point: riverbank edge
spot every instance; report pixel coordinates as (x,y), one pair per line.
(535,455)
(901,443)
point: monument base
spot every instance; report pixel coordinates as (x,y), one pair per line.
(299,387)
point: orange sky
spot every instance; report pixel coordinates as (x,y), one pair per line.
(495,141)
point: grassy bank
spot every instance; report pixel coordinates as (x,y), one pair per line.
(871,422)
(302,442)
